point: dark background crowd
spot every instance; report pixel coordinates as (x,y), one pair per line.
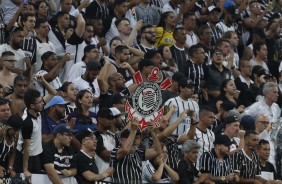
(67,77)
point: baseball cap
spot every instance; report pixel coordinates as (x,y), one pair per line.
(230,119)
(83,134)
(62,128)
(177,76)
(184,82)
(232,9)
(108,112)
(222,139)
(93,65)
(248,122)
(15,122)
(213,8)
(88,48)
(56,100)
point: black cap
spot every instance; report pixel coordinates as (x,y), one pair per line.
(62,128)
(230,119)
(150,54)
(184,82)
(177,76)
(248,122)
(15,122)
(84,133)
(108,113)
(222,139)
(227,105)
(93,65)
(88,48)
(264,72)
(215,51)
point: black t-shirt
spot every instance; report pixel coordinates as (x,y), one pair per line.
(269,168)
(63,160)
(186,173)
(85,163)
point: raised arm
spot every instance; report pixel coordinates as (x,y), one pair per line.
(80,27)
(191,133)
(102,77)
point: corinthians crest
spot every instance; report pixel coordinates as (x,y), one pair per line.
(147,98)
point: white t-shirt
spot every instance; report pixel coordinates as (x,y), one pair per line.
(19,55)
(41,49)
(182,105)
(76,70)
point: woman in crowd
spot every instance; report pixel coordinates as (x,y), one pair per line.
(69,93)
(228,92)
(168,62)
(164,31)
(42,9)
(84,117)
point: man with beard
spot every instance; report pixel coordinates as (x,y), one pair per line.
(15,45)
(20,85)
(106,139)
(214,14)
(58,156)
(50,70)
(56,109)
(217,162)
(247,160)
(89,81)
(147,38)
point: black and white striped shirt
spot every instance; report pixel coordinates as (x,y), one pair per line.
(209,163)
(182,105)
(129,168)
(29,46)
(180,56)
(248,167)
(205,140)
(194,72)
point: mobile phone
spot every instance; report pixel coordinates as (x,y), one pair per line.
(190,113)
(25,2)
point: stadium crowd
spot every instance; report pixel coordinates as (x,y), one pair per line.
(67,76)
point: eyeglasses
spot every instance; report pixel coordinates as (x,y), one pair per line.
(264,122)
(150,32)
